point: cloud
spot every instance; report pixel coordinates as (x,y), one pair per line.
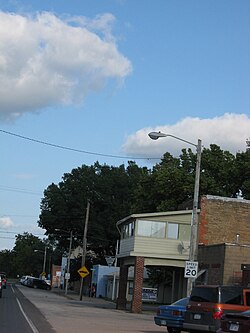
(229,131)
(48,61)
(24,176)
(6,222)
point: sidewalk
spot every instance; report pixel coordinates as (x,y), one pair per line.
(101,302)
(67,314)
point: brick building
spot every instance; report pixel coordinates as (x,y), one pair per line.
(224,240)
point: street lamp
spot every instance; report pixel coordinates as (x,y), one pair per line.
(193,251)
(44,258)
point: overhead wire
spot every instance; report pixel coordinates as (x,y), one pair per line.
(76,150)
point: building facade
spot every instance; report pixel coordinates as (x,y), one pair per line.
(153,240)
(163,239)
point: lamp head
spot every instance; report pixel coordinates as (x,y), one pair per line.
(156,135)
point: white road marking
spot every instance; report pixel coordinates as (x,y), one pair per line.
(32,326)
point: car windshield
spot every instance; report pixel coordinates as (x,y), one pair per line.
(204,295)
(231,295)
(182,301)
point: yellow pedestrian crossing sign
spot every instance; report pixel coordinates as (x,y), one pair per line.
(83,272)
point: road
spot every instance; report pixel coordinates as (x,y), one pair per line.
(18,314)
(49,312)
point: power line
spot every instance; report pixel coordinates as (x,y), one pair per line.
(77,150)
(6,238)
(18,232)
(19,190)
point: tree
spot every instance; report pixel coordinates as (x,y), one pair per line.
(26,261)
(111,193)
(6,263)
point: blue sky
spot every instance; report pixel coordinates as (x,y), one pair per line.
(97,76)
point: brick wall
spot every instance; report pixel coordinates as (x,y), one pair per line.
(138,281)
(235,256)
(211,258)
(221,219)
(223,262)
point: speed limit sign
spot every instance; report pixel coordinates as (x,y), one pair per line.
(191,269)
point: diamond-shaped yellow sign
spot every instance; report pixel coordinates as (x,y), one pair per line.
(83,272)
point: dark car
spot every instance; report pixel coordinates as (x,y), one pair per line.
(172,315)
(207,304)
(38,284)
(235,322)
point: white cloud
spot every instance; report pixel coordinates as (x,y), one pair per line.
(229,131)
(25,176)
(6,222)
(46,60)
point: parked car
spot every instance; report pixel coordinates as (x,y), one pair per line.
(24,279)
(172,315)
(38,283)
(235,322)
(207,304)
(4,280)
(1,287)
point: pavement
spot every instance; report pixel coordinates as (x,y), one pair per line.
(103,303)
(67,314)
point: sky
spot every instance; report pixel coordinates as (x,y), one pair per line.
(86,80)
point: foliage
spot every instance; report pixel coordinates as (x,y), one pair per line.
(6,263)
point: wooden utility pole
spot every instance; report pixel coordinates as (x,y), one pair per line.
(84,244)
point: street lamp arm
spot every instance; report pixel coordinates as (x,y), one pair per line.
(157,135)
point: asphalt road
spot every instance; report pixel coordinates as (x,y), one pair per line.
(18,314)
(70,315)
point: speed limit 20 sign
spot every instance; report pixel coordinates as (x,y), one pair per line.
(191,269)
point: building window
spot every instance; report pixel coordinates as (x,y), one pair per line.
(151,229)
(184,232)
(173,230)
(130,287)
(128,230)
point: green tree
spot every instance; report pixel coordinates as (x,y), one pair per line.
(6,263)
(26,261)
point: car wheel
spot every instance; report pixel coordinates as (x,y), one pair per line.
(0,294)
(35,286)
(173,330)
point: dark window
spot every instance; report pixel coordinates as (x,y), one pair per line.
(204,295)
(248,298)
(231,295)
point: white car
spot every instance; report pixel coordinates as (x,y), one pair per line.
(24,279)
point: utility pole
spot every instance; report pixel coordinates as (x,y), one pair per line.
(44,259)
(84,244)
(68,265)
(114,276)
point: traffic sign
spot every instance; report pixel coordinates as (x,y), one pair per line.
(43,274)
(191,269)
(83,272)
(110,260)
